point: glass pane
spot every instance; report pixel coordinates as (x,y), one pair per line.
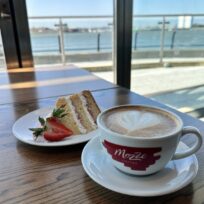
(44,41)
(146,40)
(81,34)
(167,60)
(2,56)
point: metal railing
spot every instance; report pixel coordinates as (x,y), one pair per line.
(135,46)
(61,30)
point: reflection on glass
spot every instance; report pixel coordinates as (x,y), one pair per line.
(2,56)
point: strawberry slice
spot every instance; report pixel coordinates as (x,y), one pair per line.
(54,136)
(57,126)
(56,131)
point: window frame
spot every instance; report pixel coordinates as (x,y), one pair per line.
(123,13)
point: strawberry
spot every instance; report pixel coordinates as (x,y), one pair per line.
(55,130)
(57,126)
(51,128)
(54,136)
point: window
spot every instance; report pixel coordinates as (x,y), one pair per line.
(72,32)
(167,53)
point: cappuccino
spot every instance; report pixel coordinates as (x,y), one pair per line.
(141,140)
(139,121)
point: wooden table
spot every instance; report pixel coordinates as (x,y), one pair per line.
(30,174)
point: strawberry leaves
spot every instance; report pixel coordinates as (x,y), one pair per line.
(37,131)
(51,128)
(42,121)
(59,112)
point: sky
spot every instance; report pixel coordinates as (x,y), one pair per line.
(105,7)
(69,7)
(168,6)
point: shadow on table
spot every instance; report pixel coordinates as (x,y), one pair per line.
(96,194)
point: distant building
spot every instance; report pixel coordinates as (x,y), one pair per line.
(41,30)
(184,22)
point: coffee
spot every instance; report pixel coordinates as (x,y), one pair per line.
(141,140)
(139,121)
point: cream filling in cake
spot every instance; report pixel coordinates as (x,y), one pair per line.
(75,116)
(85,106)
(81,112)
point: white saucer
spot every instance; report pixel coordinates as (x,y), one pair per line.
(174,176)
(21,130)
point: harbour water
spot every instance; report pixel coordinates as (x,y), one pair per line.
(145,39)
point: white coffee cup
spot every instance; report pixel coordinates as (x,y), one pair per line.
(141,154)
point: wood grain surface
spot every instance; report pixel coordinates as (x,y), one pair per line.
(18,85)
(30,174)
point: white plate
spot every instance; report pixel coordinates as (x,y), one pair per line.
(173,177)
(21,130)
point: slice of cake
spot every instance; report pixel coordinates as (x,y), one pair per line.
(81,112)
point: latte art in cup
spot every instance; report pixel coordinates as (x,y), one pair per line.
(140,122)
(141,139)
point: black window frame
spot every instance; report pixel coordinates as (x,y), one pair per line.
(123,13)
(15,34)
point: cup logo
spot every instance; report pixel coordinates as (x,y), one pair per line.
(136,158)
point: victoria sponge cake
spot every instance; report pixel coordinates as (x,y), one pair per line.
(81,112)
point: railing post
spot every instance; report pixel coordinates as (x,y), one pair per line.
(135,44)
(98,41)
(162,41)
(59,42)
(173,39)
(61,33)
